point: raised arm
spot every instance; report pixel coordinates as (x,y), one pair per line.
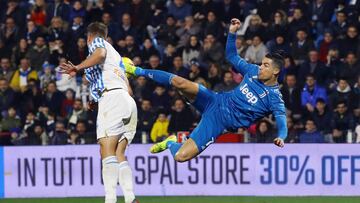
(231,54)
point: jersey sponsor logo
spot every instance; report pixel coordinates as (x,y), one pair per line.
(249,95)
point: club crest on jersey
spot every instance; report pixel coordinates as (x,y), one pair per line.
(249,95)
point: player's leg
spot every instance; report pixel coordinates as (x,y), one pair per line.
(209,128)
(125,172)
(188,88)
(109,166)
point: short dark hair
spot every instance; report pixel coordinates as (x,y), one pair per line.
(277,58)
(97,28)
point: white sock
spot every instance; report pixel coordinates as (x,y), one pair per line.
(110,172)
(126,181)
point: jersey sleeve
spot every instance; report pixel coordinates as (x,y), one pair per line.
(238,63)
(279,112)
(97,43)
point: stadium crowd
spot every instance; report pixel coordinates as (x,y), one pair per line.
(320,81)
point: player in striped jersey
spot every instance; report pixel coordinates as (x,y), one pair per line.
(117,112)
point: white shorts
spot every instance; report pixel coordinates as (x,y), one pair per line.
(117,115)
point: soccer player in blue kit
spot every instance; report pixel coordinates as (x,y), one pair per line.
(257,96)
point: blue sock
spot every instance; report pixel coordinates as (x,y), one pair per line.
(173,147)
(158,76)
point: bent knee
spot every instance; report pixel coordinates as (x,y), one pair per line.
(179,82)
(182,157)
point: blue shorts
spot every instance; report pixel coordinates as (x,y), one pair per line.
(210,125)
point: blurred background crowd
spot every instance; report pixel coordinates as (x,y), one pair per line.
(320,81)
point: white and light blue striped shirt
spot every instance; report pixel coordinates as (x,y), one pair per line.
(107,75)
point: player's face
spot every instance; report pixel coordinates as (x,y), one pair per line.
(267,71)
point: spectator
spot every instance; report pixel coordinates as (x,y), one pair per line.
(311,93)
(159,130)
(214,75)
(57,29)
(228,9)
(64,81)
(7,96)
(170,53)
(311,134)
(38,54)
(58,8)
(141,88)
(131,49)
(31,99)
(321,12)
(315,67)
(167,32)
(256,51)
(68,103)
(178,68)
(278,26)
(301,46)
(5,69)
(57,50)
(126,27)
(19,51)
(195,71)
(82,129)
(77,10)
(343,93)
(322,116)
(47,75)
(76,113)
(213,51)
(213,26)
(297,22)
(264,132)
(22,75)
(53,98)
(356,101)
(159,98)
(140,14)
(146,118)
(113,28)
(292,131)
(181,117)
(74,138)
(32,32)
(325,46)
(76,31)
(11,121)
(350,69)
(9,33)
(292,96)
(228,83)
(148,50)
(191,50)
(38,13)
(16,12)
(39,134)
(241,46)
(342,122)
(339,27)
(179,9)
(80,52)
(350,43)
(278,44)
(60,136)
(189,28)
(255,29)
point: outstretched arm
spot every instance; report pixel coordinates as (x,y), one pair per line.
(231,54)
(282,130)
(97,57)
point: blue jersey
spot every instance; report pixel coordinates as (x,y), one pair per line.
(252,99)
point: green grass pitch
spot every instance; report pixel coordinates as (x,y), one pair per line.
(202,199)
